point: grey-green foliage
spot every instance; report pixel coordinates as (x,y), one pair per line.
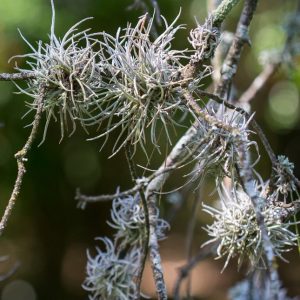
(109,276)
(237,232)
(68,73)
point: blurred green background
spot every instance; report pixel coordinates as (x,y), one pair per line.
(47,234)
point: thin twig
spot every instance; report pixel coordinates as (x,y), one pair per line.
(233,57)
(145,246)
(205,116)
(216,60)
(17,76)
(21,159)
(270,69)
(222,11)
(249,185)
(144,254)
(258,83)
(155,258)
(130,162)
(151,196)
(186,270)
(140,183)
(84,199)
(190,234)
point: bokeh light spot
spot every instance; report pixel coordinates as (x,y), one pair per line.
(268,37)
(18,290)
(283,105)
(25,14)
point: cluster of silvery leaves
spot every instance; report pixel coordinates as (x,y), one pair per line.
(67,72)
(216,150)
(141,83)
(237,232)
(204,39)
(128,218)
(110,274)
(283,185)
(128,82)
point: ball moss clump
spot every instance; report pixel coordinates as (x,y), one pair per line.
(238,234)
(66,72)
(141,83)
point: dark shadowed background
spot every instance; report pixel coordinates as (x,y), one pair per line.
(47,234)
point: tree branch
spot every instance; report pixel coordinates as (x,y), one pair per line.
(222,11)
(151,192)
(17,76)
(241,37)
(205,116)
(145,247)
(206,39)
(258,83)
(21,159)
(84,199)
(270,69)
(249,186)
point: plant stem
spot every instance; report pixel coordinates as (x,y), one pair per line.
(17,76)
(222,11)
(21,159)
(232,59)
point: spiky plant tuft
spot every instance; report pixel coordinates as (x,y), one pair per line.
(204,39)
(141,85)
(128,218)
(67,71)
(235,228)
(109,276)
(217,149)
(283,171)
